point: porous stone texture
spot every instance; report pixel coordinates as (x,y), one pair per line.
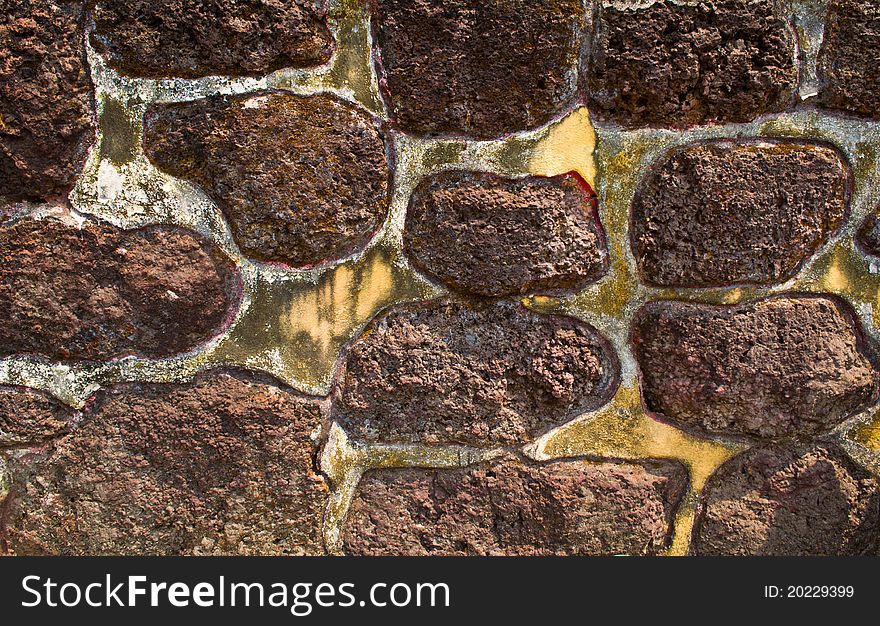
(301,179)
(98,292)
(481,68)
(489,235)
(848,71)
(790,366)
(193,38)
(28,416)
(222,465)
(868,235)
(46,101)
(791,500)
(506,507)
(675,63)
(722,213)
(481,374)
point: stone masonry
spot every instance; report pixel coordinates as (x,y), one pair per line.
(408,277)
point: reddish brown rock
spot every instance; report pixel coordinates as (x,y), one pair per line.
(489,235)
(848,69)
(506,507)
(480,374)
(222,465)
(790,366)
(676,64)
(28,416)
(301,179)
(794,500)
(481,68)
(46,102)
(193,38)
(722,213)
(868,235)
(100,292)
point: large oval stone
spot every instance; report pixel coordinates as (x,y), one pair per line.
(301,179)
(481,374)
(791,366)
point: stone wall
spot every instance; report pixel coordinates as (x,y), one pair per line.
(439,277)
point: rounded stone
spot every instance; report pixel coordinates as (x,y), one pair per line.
(789,366)
(30,417)
(511,507)
(789,500)
(96,292)
(47,120)
(490,235)
(674,63)
(194,38)
(301,179)
(868,235)
(480,68)
(221,465)
(481,373)
(722,213)
(847,67)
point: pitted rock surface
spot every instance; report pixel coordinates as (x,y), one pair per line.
(670,63)
(795,500)
(489,235)
(28,416)
(481,68)
(505,507)
(221,465)
(722,213)
(193,38)
(46,102)
(301,179)
(848,71)
(481,374)
(780,367)
(99,292)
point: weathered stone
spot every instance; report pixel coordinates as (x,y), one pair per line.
(791,500)
(222,465)
(483,374)
(848,69)
(98,292)
(779,367)
(723,213)
(193,38)
(679,63)
(489,235)
(506,507)
(301,179)
(868,235)
(28,416)
(46,101)
(481,68)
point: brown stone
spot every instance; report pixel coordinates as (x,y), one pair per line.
(483,374)
(222,465)
(481,68)
(671,63)
(301,179)
(193,38)
(46,101)
(790,366)
(848,69)
(508,507)
(28,416)
(721,213)
(868,235)
(490,235)
(790,500)
(98,292)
